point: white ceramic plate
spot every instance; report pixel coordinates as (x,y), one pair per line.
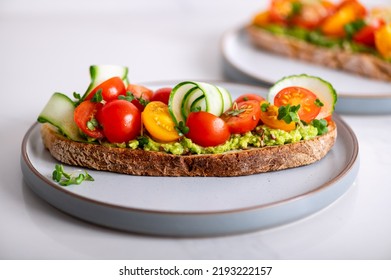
(243,62)
(179,206)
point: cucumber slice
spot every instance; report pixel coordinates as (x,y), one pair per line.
(323,89)
(59,112)
(188,95)
(177,96)
(199,103)
(101,73)
(227,98)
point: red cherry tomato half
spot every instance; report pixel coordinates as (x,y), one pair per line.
(243,116)
(309,107)
(249,96)
(121,121)
(141,93)
(162,95)
(366,35)
(85,118)
(111,89)
(205,129)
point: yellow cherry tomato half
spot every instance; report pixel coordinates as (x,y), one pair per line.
(347,12)
(261,19)
(269,118)
(383,40)
(158,122)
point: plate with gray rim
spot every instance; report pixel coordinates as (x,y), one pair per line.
(196,206)
(242,62)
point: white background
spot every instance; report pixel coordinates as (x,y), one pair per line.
(47,46)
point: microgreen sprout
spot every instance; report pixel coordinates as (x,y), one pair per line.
(65,179)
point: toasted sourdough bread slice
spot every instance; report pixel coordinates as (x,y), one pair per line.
(366,65)
(140,162)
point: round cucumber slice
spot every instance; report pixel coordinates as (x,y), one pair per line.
(323,89)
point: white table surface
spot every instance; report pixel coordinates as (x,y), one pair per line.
(47,46)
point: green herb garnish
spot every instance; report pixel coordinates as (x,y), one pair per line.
(92,124)
(264,106)
(78,98)
(182,129)
(142,140)
(289,113)
(65,179)
(321,125)
(319,103)
(97,96)
(353,27)
(130,97)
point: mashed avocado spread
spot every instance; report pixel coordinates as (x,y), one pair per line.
(260,137)
(317,38)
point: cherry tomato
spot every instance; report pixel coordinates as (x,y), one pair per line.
(269,118)
(262,18)
(162,94)
(142,95)
(304,14)
(281,10)
(85,118)
(348,11)
(205,129)
(383,40)
(121,121)
(309,107)
(158,122)
(243,116)
(366,35)
(111,89)
(312,14)
(249,96)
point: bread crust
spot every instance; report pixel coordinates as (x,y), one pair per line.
(363,64)
(148,163)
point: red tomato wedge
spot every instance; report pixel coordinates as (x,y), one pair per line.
(205,129)
(121,121)
(142,95)
(309,103)
(162,95)
(243,116)
(366,35)
(85,118)
(249,96)
(110,89)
